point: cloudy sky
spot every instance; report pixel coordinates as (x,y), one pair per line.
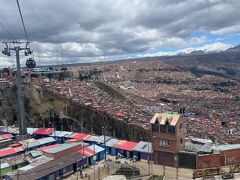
(99,30)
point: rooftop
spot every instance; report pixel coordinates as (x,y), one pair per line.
(163,118)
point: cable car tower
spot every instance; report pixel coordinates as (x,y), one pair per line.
(18,46)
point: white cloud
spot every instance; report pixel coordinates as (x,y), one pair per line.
(94,29)
(213,47)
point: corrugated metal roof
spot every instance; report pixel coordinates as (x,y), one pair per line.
(46,140)
(86,152)
(62,134)
(10,151)
(143,146)
(101,139)
(10,129)
(35,153)
(225,147)
(5,136)
(48,167)
(29,143)
(119,143)
(31,130)
(4,165)
(162,118)
(44,131)
(77,135)
(48,147)
(14,160)
(111,142)
(35,163)
(200,140)
(125,145)
(95,148)
(192,147)
(93,138)
(62,147)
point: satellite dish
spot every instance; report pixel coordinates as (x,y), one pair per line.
(30,63)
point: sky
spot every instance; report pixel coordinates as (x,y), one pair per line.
(97,30)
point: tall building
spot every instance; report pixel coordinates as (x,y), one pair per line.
(168,138)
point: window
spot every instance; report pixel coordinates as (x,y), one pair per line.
(163,128)
(164,142)
(171,129)
(180,126)
(155,127)
(181,141)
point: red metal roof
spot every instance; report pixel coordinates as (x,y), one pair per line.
(86,137)
(6,136)
(125,145)
(78,135)
(86,152)
(10,151)
(48,147)
(73,140)
(44,131)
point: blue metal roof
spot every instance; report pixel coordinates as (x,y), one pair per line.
(95,148)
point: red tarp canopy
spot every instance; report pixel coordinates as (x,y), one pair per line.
(6,136)
(48,147)
(44,131)
(10,151)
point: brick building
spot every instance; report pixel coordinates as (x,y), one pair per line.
(168,138)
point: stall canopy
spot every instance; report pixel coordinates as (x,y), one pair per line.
(5,136)
(10,151)
(127,146)
(86,152)
(44,131)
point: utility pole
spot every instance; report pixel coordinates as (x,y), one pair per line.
(17,46)
(104,137)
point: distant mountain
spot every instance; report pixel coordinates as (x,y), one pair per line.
(234,49)
(197,52)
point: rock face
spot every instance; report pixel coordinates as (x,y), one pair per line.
(8,113)
(44,109)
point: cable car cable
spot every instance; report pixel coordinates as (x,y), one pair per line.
(20,12)
(9,34)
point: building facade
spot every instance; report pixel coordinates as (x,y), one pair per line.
(168,138)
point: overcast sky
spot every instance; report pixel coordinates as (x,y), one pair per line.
(97,30)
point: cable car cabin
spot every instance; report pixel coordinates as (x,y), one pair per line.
(30,63)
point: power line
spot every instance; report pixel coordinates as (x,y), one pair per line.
(10,35)
(20,12)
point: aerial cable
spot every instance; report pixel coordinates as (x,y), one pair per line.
(9,34)
(20,12)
